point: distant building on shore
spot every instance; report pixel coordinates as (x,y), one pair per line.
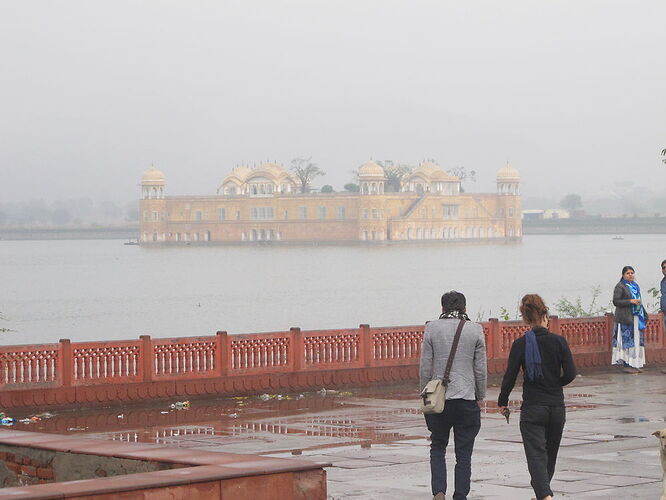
(264,204)
(546,214)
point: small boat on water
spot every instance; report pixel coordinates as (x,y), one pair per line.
(131,242)
(618,237)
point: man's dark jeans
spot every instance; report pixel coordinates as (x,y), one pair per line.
(541,428)
(465,419)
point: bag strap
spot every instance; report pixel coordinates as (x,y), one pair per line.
(454,348)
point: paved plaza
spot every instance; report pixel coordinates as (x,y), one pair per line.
(376,439)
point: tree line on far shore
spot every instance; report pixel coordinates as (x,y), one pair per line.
(38,213)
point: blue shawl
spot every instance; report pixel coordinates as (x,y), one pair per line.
(637,309)
(532,357)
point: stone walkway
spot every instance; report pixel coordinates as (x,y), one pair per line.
(607,451)
(377,441)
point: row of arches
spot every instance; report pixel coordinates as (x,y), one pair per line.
(448,233)
(261,235)
(508,188)
(372,187)
(152,192)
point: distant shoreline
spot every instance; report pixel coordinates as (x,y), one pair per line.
(129,232)
(585,225)
(596,225)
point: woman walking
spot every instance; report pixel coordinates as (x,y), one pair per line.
(547,365)
(630,322)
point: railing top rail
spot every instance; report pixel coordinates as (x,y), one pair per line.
(29,347)
(268,335)
(183,340)
(328,333)
(396,328)
(105,343)
(590,319)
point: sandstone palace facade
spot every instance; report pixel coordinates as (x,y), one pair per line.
(263,204)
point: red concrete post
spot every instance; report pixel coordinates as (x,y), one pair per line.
(494,340)
(299,348)
(610,325)
(147,357)
(367,348)
(223,353)
(554,325)
(66,369)
(490,341)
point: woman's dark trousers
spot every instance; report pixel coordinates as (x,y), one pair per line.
(541,428)
(464,417)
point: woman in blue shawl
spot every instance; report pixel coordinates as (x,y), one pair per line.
(630,322)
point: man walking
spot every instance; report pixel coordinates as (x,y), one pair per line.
(466,388)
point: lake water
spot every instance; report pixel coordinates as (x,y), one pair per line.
(102,289)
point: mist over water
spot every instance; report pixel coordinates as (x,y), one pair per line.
(103,290)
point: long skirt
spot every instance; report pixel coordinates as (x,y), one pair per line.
(629,344)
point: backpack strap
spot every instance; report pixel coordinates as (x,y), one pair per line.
(454,348)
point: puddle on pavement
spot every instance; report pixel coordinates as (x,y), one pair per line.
(265,423)
(633,420)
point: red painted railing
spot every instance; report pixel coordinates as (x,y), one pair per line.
(190,358)
(30,364)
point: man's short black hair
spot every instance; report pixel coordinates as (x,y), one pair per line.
(453,301)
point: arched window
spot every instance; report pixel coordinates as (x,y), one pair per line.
(253,237)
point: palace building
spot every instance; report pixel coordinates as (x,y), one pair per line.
(265,204)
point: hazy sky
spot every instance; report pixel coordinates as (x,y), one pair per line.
(93,92)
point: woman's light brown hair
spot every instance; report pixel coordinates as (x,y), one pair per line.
(533,309)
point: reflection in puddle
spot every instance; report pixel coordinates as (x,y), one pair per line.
(261,424)
(633,420)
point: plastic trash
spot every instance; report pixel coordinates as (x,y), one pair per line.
(122,415)
(265,397)
(180,405)
(25,421)
(7,421)
(324,392)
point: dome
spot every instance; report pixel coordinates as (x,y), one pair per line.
(428,165)
(153,176)
(270,170)
(371,169)
(240,172)
(442,176)
(508,174)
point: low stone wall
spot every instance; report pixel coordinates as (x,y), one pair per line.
(117,372)
(23,465)
(35,465)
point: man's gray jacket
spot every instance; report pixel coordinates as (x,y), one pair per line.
(468,373)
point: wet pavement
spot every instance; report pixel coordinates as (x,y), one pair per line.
(377,441)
